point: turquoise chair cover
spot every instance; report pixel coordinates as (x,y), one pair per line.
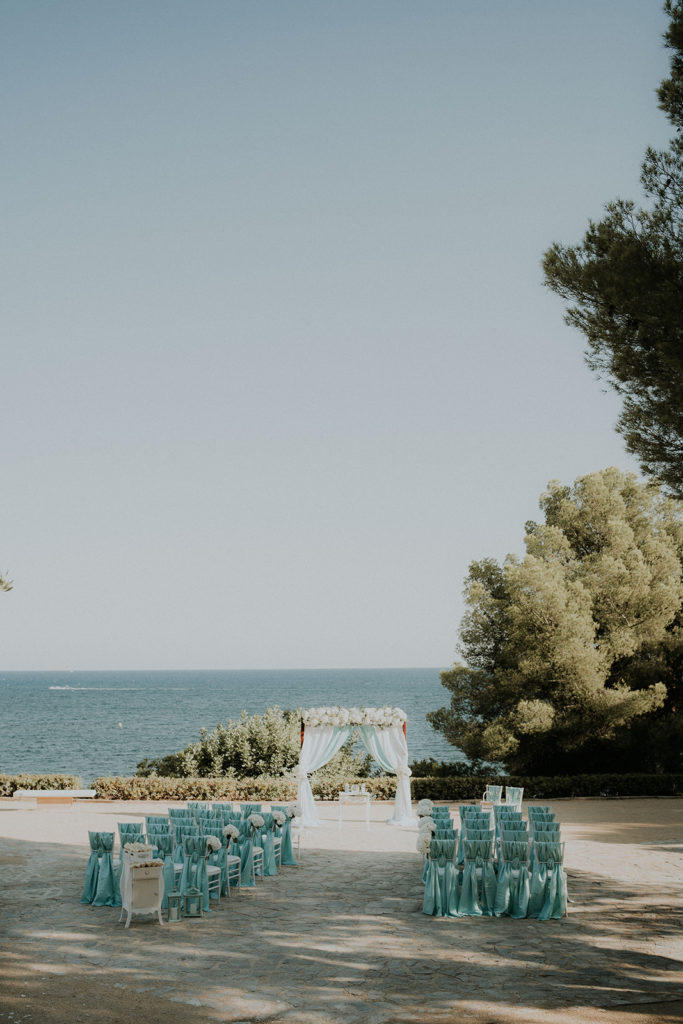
(465,809)
(548,894)
(286,850)
(512,888)
(269,858)
(157,823)
(129,828)
(108,893)
(479,833)
(179,812)
(222,807)
(441,883)
(163,845)
(541,816)
(246,854)
(472,828)
(516,836)
(248,809)
(543,832)
(92,868)
(129,832)
(445,833)
(194,867)
(538,809)
(547,831)
(504,817)
(182,832)
(478,893)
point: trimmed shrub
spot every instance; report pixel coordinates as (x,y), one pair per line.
(9,784)
(383,787)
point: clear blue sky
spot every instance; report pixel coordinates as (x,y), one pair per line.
(277,361)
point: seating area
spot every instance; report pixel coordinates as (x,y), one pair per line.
(495,863)
(202,850)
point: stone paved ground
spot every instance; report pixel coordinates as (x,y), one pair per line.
(342,938)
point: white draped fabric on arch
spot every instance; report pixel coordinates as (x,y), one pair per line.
(382,732)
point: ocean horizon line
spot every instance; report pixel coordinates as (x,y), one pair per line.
(318,668)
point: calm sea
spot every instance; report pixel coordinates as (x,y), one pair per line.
(69,721)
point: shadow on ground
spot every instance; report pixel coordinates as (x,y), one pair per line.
(341,938)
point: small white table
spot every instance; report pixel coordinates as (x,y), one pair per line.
(346,797)
(142,886)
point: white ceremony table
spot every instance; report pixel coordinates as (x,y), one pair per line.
(348,797)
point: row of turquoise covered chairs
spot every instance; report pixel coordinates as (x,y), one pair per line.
(253,853)
(493,865)
(483,888)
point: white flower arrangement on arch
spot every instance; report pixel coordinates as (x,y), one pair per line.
(382,718)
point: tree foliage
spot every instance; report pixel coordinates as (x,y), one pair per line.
(570,647)
(625,281)
(254,745)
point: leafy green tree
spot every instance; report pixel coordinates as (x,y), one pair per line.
(254,745)
(569,646)
(625,281)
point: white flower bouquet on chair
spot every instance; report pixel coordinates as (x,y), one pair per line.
(213,844)
(256,822)
(424,840)
(231,832)
(279,818)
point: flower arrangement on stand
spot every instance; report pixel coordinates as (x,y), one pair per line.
(424,808)
(427,825)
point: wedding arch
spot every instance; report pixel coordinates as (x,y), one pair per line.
(382,732)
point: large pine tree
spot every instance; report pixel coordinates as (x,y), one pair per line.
(573,647)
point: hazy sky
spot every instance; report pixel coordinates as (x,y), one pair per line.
(277,361)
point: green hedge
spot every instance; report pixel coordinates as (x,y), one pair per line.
(384,787)
(267,788)
(9,784)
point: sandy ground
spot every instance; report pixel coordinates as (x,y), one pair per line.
(341,939)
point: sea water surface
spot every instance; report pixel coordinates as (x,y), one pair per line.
(104,723)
